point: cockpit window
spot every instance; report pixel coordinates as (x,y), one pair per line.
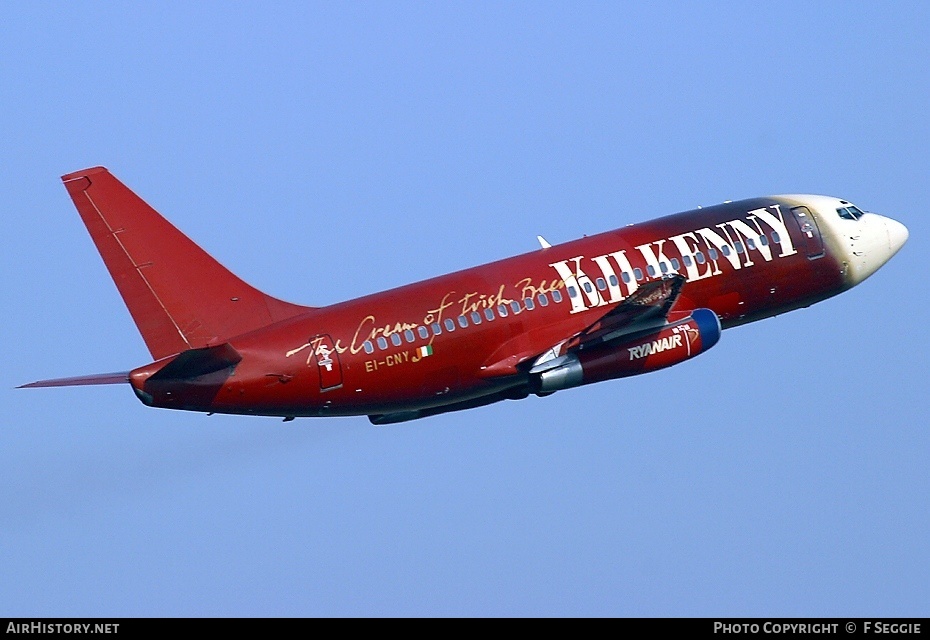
(850,213)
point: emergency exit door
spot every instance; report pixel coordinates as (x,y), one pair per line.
(327,362)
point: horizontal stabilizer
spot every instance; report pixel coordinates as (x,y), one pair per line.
(77,381)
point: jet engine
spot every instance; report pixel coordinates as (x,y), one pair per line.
(629,355)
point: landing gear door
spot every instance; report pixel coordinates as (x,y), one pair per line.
(811,240)
(327,362)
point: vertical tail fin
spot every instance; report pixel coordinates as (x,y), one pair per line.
(179,296)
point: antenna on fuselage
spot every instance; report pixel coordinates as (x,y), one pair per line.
(543,242)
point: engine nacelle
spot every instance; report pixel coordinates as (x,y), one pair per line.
(650,351)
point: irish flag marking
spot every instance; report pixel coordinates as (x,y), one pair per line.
(425,351)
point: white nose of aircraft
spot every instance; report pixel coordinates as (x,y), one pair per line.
(897,234)
(873,244)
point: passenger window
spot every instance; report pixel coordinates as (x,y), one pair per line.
(699,256)
(529,304)
(369,348)
(776,237)
(408,335)
(725,249)
(613,280)
(463,321)
(626,277)
(638,273)
(423,331)
(601,284)
(436,329)
(764,240)
(750,243)
(651,271)
(572,292)
(557,296)
(382,343)
(712,253)
(515,307)
(739,246)
(663,267)
(687,260)
(502,311)
(450,326)
(543,300)
(475,317)
(489,314)
(395,339)
(587,287)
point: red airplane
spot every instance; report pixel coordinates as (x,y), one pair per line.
(607,306)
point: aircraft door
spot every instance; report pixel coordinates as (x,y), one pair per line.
(811,240)
(327,362)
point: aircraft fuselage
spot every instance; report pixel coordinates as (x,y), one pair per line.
(744,260)
(616,304)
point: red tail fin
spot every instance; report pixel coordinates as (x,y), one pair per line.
(179,296)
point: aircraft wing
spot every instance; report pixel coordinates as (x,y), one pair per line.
(647,308)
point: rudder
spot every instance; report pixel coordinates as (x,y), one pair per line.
(178,295)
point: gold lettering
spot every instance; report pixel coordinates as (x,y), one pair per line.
(529,290)
(435,315)
(468,308)
(359,338)
(396,359)
(388,330)
(498,298)
(314,347)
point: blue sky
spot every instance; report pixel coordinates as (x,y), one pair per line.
(325,151)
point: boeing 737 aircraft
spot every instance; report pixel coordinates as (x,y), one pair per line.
(617,304)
